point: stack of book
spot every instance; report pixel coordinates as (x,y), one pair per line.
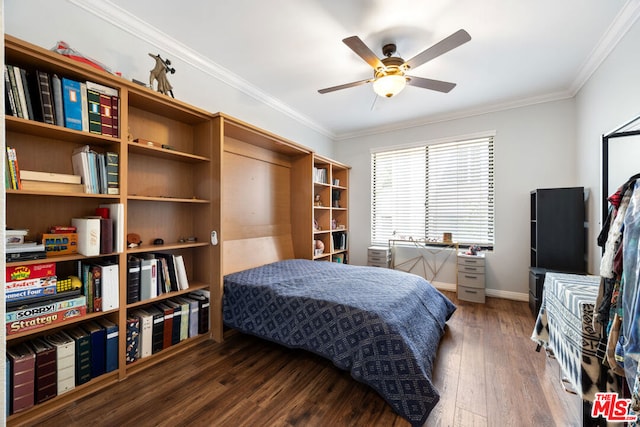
(50,182)
(80,105)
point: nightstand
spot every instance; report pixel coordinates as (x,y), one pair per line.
(471,278)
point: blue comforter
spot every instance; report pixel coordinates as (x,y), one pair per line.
(384,326)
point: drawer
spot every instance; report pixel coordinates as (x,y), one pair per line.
(378,259)
(380,253)
(470,294)
(471,280)
(473,269)
(381,265)
(471,260)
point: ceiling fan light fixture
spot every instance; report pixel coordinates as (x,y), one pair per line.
(389,85)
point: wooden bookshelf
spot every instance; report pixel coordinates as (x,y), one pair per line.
(330,209)
(254,189)
(170,194)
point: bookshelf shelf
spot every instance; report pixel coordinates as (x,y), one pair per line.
(164,193)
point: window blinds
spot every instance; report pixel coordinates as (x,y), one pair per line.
(423,192)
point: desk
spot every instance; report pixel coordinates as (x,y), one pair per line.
(564,326)
(426,258)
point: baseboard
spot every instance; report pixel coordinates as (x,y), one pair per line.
(495,293)
(516,296)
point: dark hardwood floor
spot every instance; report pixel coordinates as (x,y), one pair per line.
(487,371)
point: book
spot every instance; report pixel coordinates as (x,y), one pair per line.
(65,361)
(146,283)
(106,235)
(72,100)
(14,168)
(50,177)
(181,272)
(133,279)
(185,311)
(35,95)
(10,101)
(93,110)
(115,116)
(158,328)
(51,187)
(145,344)
(46,378)
(203,310)
(110,287)
(80,163)
(88,235)
(84,273)
(167,331)
(111,344)
(106,118)
(170,271)
(14,91)
(98,337)
(153,274)
(95,272)
(113,167)
(22,378)
(27,93)
(58,102)
(116,214)
(193,314)
(177,321)
(82,341)
(132,339)
(21,95)
(46,97)
(84,106)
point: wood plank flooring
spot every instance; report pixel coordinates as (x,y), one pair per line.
(487,371)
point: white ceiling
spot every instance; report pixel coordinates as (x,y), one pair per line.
(283,51)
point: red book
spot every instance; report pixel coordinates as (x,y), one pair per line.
(23,373)
(168,324)
(106,114)
(115,108)
(46,382)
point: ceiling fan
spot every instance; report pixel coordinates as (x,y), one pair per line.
(389,75)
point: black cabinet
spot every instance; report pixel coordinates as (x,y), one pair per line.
(557,236)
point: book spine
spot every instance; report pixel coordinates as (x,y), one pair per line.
(72,100)
(133,339)
(23,370)
(11,166)
(106,119)
(93,99)
(27,93)
(113,181)
(83,358)
(46,371)
(9,93)
(46,98)
(84,106)
(21,96)
(115,116)
(14,91)
(58,100)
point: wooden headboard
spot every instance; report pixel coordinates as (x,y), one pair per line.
(258,210)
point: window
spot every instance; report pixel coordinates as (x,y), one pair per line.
(425,191)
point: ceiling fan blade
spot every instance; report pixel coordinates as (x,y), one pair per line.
(363,51)
(437,85)
(443,46)
(344,86)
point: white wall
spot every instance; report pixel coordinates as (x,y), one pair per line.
(44,22)
(534,148)
(610,98)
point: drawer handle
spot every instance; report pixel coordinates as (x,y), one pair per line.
(470,277)
(470,291)
(471,268)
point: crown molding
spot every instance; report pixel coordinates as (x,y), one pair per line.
(616,31)
(120,18)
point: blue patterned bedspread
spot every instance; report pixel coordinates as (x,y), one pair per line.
(384,326)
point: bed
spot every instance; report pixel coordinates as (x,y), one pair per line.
(383,326)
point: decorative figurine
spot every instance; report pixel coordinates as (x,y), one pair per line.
(159,74)
(317,201)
